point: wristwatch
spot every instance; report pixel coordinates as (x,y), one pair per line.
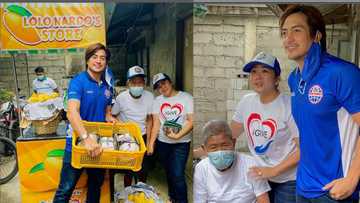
(84,136)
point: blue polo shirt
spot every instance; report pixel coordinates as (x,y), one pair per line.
(94,97)
(324,95)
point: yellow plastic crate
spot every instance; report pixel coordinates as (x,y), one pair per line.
(112,159)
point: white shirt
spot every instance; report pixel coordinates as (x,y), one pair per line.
(270,130)
(175,108)
(128,108)
(45,86)
(231,186)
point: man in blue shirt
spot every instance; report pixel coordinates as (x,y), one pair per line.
(89,99)
(326,108)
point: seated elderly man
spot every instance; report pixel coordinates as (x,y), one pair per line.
(223,176)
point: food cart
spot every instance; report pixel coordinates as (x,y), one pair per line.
(48,28)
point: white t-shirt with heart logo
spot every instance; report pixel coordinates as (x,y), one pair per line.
(233,185)
(173,109)
(270,130)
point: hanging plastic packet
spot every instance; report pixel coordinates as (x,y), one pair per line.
(141,192)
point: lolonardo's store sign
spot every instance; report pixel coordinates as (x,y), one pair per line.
(51,25)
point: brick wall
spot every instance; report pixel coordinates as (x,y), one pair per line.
(57,67)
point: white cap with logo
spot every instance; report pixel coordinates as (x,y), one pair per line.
(158,77)
(266,59)
(135,71)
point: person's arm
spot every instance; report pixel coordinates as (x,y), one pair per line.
(116,109)
(263,198)
(188,126)
(53,85)
(199,185)
(287,164)
(149,124)
(154,134)
(73,115)
(343,187)
(236,129)
(108,116)
(261,188)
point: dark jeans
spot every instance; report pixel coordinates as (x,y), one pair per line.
(282,192)
(69,178)
(173,157)
(322,199)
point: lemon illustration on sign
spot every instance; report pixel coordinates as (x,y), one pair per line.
(12,20)
(44,176)
(53,164)
(38,180)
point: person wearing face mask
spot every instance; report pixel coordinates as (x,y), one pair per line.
(325,104)
(43,84)
(271,132)
(135,104)
(224,175)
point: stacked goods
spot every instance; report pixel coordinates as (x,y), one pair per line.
(43,111)
(41,97)
(125,142)
(120,142)
(123,145)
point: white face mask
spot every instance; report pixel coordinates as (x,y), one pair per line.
(136,91)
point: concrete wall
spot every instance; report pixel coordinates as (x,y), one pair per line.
(224,40)
(163,48)
(57,67)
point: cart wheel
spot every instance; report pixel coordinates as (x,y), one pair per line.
(8,160)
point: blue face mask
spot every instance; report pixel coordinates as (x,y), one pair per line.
(41,77)
(136,91)
(221,159)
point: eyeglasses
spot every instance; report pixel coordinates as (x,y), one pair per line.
(302,86)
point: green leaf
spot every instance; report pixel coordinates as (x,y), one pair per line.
(37,167)
(19,10)
(56,153)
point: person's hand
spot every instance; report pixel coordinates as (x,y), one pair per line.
(173,135)
(341,188)
(199,152)
(150,149)
(111,119)
(263,172)
(92,147)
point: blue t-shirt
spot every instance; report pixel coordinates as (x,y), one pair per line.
(324,96)
(94,97)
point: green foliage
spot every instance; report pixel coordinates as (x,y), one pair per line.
(5,96)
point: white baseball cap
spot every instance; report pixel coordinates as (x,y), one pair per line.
(135,71)
(268,60)
(158,77)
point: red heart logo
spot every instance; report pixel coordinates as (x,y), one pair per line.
(258,128)
(169,112)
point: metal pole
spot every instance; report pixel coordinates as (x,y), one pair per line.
(27,75)
(16,90)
